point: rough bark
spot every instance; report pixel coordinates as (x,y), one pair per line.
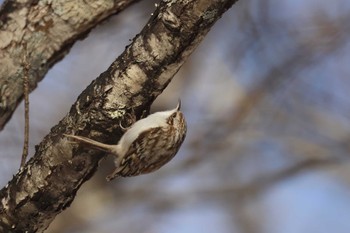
(49,29)
(49,181)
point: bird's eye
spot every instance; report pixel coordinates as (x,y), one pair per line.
(171,118)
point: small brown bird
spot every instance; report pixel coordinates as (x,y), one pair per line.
(147,145)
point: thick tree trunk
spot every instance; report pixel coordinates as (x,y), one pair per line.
(49,181)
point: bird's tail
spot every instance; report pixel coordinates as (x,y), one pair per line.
(112,149)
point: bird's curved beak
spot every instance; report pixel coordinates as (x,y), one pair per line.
(178,107)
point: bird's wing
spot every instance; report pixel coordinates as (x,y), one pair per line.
(135,159)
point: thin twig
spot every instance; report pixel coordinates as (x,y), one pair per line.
(26,105)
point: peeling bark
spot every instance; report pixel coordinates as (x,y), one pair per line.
(49,29)
(49,181)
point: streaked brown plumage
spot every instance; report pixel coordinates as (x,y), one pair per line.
(147,145)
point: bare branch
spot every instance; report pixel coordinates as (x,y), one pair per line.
(26,106)
(48,182)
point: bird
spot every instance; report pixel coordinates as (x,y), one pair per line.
(146,145)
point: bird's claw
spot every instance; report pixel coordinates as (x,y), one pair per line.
(131,118)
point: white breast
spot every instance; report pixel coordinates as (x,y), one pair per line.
(154,120)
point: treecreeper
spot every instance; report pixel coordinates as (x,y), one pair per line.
(146,145)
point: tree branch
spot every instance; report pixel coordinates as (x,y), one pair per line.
(49,181)
(49,29)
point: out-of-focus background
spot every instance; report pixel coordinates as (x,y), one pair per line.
(266,97)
